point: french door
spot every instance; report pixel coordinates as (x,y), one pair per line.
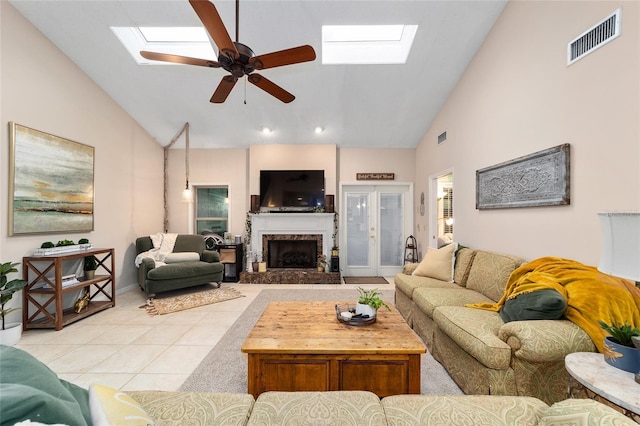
(375,222)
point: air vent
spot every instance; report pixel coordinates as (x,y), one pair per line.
(602,33)
(442,137)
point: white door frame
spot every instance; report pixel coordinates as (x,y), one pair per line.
(408,214)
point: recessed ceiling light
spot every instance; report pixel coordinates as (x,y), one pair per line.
(367,44)
(184,41)
(319,129)
(266,130)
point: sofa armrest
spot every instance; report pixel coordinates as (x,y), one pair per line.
(545,340)
(144,268)
(210,256)
(408,268)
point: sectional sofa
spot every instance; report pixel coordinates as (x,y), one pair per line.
(484,354)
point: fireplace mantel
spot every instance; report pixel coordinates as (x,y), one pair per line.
(291,223)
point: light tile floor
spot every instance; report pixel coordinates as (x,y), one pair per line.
(125,348)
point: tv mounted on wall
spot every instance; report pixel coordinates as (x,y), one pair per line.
(293,190)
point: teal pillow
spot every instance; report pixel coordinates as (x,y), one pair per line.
(29,390)
(537,305)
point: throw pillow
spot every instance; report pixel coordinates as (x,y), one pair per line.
(187,256)
(438,263)
(29,390)
(112,407)
(537,305)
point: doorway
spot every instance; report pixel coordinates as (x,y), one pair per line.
(442,216)
(375,221)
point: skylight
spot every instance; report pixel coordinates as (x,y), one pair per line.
(184,41)
(367,44)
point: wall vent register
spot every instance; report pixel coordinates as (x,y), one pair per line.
(597,36)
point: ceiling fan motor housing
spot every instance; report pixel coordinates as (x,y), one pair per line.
(241,66)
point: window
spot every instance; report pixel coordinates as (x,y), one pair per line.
(212,209)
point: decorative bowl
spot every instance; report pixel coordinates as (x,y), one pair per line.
(346,314)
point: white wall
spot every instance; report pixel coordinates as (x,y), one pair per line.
(517,97)
(42,89)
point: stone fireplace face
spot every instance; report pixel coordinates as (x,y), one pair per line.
(291,250)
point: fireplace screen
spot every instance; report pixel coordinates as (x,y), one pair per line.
(292,254)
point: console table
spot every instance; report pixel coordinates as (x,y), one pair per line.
(45,288)
(591,377)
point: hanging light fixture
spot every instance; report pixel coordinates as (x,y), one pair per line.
(187,194)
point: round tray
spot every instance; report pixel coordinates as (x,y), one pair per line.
(356,321)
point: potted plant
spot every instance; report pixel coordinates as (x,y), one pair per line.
(369,302)
(11,332)
(619,350)
(90,266)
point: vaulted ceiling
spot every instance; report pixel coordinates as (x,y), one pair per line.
(357,105)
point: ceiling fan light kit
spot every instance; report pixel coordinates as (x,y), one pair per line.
(237,58)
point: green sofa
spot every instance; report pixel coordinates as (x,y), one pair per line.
(483,354)
(172,276)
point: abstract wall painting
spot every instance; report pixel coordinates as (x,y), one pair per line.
(50,183)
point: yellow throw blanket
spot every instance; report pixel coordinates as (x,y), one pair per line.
(591,295)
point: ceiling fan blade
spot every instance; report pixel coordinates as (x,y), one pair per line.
(270,87)
(223,90)
(291,56)
(211,20)
(177,59)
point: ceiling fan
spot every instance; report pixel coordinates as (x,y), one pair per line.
(237,58)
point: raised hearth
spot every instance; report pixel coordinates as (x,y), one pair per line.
(291,276)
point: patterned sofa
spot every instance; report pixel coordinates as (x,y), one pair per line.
(31,393)
(482,353)
(360,408)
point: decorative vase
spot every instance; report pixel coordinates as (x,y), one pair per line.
(363,309)
(620,356)
(254,266)
(11,334)
(89,275)
(320,268)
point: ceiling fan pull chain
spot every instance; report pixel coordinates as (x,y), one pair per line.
(245,91)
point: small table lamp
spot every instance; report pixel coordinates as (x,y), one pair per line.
(620,245)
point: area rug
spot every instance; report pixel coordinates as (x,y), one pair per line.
(365,280)
(224,369)
(167,305)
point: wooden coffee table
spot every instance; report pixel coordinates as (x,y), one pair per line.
(301,346)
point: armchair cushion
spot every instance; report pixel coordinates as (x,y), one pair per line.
(187,256)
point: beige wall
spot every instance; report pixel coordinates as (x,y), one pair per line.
(517,97)
(208,167)
(400,161)
(240,170)
(42,89)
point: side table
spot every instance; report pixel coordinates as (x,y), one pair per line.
(591,377)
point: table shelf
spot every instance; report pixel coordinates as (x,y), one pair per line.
(43,306)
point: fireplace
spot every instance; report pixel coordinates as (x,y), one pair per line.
(291,250)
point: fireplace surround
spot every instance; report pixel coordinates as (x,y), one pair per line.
(291,226)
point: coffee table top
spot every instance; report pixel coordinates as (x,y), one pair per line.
(312,328)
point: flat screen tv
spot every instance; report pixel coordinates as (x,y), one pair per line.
(301,190)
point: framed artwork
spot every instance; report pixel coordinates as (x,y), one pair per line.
(538,179)
(50,183)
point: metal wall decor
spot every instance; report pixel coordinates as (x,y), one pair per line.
(538,179)
(50,183)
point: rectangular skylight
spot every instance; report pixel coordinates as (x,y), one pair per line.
(367,44)
(184,41)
